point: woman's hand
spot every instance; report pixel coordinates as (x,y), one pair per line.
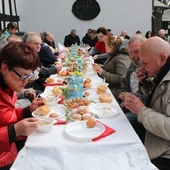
(95,57)
(37,102)
(97,68)
(26,126)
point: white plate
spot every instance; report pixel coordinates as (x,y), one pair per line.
(94,84)
(104,110)
(79,130)
(92,95)
(38,116)
(57,80)
(50,99)
(59,110)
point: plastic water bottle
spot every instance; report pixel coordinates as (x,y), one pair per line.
(81,44)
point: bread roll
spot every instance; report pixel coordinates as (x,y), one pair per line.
(87,116)
(105,98)
(87,85)
(42,111)
(50,80)
(81,110)
(56,91)
(101,89)
(76,116)
(88,80)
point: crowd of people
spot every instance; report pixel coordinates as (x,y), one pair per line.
(136,69)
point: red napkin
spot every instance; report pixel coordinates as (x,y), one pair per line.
(61,101)
(60,122)
(53,84)
(108,131)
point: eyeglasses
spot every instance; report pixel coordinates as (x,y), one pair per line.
(22,78)
(99,37)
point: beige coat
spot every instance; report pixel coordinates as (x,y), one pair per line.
(157,121)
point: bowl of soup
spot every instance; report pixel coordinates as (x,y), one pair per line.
(45,124)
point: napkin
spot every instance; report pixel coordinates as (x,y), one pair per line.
(61,101)
(53,84)
(60,122)
(108,131)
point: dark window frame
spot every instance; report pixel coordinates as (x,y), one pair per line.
(5,18)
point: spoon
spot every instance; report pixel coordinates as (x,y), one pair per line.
(55,99)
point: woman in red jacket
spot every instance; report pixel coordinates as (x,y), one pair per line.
(17,64)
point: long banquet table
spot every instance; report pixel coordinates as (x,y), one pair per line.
(56,150)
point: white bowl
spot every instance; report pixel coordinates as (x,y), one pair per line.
(45,124)
(51,100)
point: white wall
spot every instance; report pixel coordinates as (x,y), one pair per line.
(56,16)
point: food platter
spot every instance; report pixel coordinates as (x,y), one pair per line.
(81,114)
(94,84)
(79,130)
(104,110)
(76,103)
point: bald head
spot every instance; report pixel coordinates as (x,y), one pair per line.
(154,53)
(156,46)
(161,33)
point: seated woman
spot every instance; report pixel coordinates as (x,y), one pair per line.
(17,64)
(116,64)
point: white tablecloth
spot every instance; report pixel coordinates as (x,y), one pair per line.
(55,150)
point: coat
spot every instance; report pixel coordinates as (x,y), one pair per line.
(8,116)
(126,83)
(46,56)
(156,121)
(114,68)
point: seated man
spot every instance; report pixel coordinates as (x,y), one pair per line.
(162,34)
(72,38)
(87,38)
(99,51)
(154,115)
(47,58)
(124,35)
(129,81)
(94,38)
(34,40)
(48,39)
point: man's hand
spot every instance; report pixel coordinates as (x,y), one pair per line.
(142,75)
(131,102)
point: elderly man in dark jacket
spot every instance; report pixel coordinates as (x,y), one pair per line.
(72,38)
